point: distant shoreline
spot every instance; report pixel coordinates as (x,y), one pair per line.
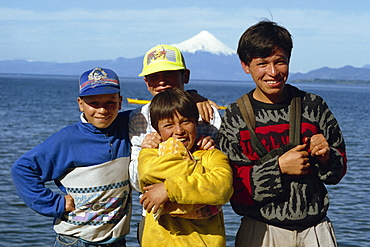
(297,81)
(333,81)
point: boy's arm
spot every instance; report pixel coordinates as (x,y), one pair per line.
(205,143)
(155,169)
(137,130)
(336,165)
(29,179)
(211,128)
(204,106)
(151,140)
(213,186)
(69,203)
(155,195)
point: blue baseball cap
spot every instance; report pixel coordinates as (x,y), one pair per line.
(99,81)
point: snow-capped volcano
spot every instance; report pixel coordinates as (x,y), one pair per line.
(206,42)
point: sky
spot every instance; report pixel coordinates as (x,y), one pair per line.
(327,33)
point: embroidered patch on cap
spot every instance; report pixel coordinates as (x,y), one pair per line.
(161,54)
(99,81)
(162,58)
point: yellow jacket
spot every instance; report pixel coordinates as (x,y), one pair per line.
(187,184)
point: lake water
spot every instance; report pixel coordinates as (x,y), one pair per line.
(34,107)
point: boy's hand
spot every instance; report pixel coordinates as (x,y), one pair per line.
(69,203)
(205,111)
(204,106)
(205,143)
(151,140)
(212,103)
(319,148)
(295,161)
(155,195)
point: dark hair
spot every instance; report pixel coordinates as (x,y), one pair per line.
(165,104)
(262,39)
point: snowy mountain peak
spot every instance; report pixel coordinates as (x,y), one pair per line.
(205,42)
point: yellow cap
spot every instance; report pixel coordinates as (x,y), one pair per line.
(162,58)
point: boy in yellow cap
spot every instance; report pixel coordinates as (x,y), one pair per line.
(163,68)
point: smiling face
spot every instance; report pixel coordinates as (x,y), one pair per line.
(270,75)
(100,110)
(179,127)
(163,80)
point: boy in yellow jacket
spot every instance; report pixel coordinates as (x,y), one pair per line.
(194,180)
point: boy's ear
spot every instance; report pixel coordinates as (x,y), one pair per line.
(120,102)
(186,76)
(80,102)
(146,83)
(245,67)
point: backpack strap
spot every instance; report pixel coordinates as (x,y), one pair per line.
(295,121)
(246,109)
(247,112)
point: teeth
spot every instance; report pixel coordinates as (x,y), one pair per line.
(182,139)
(272,82)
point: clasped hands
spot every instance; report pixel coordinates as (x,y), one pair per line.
(296,160)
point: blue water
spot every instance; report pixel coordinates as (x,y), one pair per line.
(34,107)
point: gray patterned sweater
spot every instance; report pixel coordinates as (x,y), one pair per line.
(260,190)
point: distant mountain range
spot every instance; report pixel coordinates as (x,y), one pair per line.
(206,57)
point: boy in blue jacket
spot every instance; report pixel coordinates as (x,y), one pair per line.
(89,162)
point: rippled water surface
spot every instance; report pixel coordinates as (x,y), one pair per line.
(34,107)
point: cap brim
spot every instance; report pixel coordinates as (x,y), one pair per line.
(100,90)
(154,68)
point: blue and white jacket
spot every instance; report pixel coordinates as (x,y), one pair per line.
(91,165)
